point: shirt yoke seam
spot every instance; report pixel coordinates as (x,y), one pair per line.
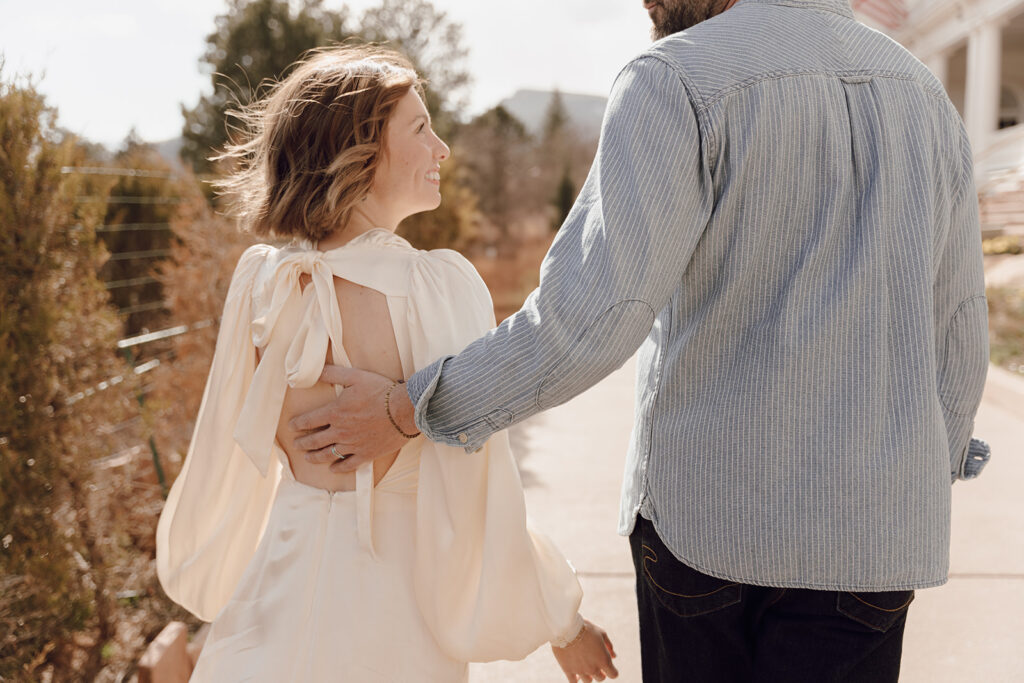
(824,10)
(700,107)
(760,78)
(688,85)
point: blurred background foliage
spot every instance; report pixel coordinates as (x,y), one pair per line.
(67,402)
(253,43)
(499,178)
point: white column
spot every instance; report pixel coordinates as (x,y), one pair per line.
(981,105)
(938,64)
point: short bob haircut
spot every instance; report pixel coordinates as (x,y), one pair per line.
(311,146)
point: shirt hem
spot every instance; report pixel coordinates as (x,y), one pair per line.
(809,585)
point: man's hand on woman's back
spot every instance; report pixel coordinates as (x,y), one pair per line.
(356,423)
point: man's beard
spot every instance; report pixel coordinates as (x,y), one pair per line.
(679,15)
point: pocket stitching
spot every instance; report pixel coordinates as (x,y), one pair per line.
(881,609)
(665,590)
(865,620)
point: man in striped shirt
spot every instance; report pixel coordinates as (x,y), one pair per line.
(781,217)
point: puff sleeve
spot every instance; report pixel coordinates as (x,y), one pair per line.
(488,587)
(217,508)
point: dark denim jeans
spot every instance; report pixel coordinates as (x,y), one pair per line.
(694,627)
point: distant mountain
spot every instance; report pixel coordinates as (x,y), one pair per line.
(530,106)
(170,151)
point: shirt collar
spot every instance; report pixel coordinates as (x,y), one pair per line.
(840,7)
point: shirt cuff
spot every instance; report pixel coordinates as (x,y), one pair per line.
(421,387)
(977,456)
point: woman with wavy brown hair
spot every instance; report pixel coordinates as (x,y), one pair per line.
(411,567)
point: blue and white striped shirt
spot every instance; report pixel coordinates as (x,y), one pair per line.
(781,216)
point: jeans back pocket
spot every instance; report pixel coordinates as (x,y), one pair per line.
(876,610)
(681,589)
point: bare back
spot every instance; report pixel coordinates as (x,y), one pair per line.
(369,341)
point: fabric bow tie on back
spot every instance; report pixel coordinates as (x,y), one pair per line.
(294,334)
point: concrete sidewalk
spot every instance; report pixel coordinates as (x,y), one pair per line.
(571,460)
(972,629)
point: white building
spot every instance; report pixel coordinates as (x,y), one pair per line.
(976,48)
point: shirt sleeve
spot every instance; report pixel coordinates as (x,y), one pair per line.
(961,316)
(614,265)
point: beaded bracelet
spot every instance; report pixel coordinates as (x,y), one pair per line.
(561,643)
(387,409)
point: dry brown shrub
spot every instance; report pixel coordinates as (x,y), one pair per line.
(76,559)
(512,274)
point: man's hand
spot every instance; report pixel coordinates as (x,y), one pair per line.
(355,423)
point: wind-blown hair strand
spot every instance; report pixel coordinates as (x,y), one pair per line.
(311,146)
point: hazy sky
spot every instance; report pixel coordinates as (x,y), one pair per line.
(108,66)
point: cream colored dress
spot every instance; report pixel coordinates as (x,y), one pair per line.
(406,581)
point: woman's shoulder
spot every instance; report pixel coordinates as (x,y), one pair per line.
(449,260)
(248,267)
(451,267)
(448,257)
(255,255)
(407,267)
(445,275)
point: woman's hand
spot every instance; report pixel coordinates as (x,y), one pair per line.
(589,657)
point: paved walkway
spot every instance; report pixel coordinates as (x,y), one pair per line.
(571,460)
(970,630)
